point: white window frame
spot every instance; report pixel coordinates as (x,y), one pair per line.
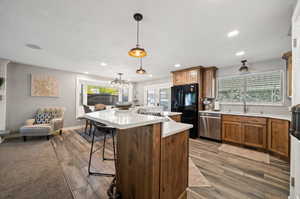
(157,88)
(283,91)
(84,81)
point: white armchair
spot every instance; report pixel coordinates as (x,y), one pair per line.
(46,122)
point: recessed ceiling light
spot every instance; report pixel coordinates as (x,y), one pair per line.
(86,72)
(240,53)
(150,75)
(33,46)
(177,65)
(103,64)
(233,33)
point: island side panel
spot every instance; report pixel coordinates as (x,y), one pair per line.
(138,162)
(174,166)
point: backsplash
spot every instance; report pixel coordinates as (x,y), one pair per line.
(276,110)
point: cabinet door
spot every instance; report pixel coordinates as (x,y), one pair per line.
(254,135)
(278,141)
(209,82)
(232,131)
(174,161)
(192,76)
(179,78)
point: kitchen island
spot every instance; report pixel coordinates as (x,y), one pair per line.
(152,154)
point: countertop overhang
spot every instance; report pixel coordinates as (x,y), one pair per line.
(123,120)
(274,116)
(126,120)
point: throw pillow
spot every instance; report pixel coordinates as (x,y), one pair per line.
(43,118)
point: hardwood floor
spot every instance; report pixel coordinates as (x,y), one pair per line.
(231,176)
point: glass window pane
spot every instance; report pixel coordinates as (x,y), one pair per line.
(125,94)
(101,95)
(164,98)
(150,96)
(263,88)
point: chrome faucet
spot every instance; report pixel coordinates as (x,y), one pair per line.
(245,109)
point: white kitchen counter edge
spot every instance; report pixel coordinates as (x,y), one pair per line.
(282,117)
(129,125)
(171,128)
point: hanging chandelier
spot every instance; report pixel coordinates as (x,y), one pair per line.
(119,82)
(137,51)
(141,71)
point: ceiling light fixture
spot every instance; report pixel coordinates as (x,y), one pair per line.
(86,72)
(103,64)
(33,46)
(177,65)
(240,53)
(137,51)
(119,82)
(141,71)
(150,75)
(244,68)
(233,33)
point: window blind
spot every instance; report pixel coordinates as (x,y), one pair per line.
(263,88)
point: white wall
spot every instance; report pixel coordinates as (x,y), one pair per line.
(295,144)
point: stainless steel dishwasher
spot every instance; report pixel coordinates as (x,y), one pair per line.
(210,125)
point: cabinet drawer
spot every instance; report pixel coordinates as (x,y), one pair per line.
(254,120)
(231,118)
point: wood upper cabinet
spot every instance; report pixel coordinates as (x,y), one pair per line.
(187,76)
(192,76)
(288,57)
(278,136)
(209,82)
(179,78)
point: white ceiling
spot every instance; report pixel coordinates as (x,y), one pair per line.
(79,35)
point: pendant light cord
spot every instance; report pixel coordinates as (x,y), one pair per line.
(137,34)
(141,63)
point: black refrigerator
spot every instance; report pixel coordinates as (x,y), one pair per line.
(184,99)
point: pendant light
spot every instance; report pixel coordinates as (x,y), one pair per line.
(137,51)
(244,68)
(141,71)
(119,82)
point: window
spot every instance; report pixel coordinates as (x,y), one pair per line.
(159,94)
(151,96)
(164,98)
(262,88)
(101,95)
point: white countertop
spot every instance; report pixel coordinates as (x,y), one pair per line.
(171,127)
(128,119)
(282,117)
(168,113)
(123,120)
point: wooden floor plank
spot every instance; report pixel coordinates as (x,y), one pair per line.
(231,176)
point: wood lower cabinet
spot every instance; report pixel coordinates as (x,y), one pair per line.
(174,160)
(254,135)
(278,138)
(262,133)
(232,131)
